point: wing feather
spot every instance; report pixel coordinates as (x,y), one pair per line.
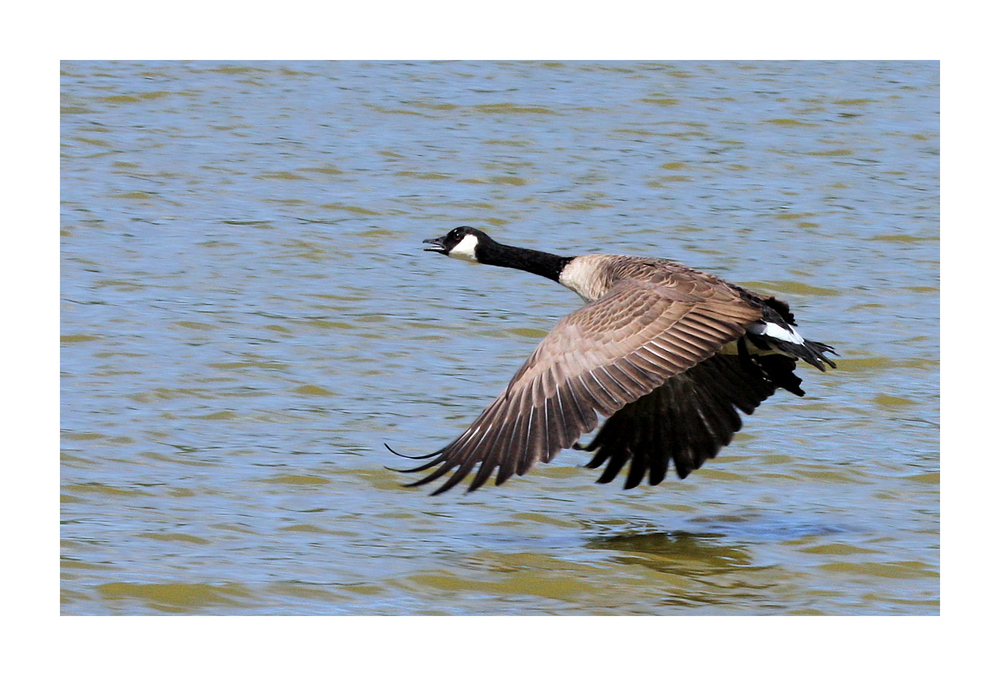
(686,420)
(596,361)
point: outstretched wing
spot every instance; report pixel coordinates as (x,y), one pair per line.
(689,418)
(595,361)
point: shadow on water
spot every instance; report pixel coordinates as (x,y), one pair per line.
(676,552)
(694,570)
(734,566)
(765,527)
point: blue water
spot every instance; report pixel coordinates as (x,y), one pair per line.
(247,316)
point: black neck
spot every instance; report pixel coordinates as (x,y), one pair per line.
(538,262)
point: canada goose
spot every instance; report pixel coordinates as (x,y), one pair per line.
(666,353)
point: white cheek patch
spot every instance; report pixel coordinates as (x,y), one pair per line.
(788,335)
(466,249)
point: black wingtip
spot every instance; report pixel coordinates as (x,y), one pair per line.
(397,469)
(410,457)
(418,468)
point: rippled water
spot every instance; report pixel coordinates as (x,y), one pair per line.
(247,316)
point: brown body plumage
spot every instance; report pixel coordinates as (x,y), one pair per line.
(667,353)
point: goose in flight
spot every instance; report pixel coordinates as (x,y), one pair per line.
(666,353)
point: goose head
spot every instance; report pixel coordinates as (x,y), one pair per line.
(460,243)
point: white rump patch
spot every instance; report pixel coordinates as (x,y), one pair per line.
(772,330)
(466,249)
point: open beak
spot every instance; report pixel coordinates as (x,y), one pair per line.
(436,244)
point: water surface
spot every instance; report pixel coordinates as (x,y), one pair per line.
(247,316)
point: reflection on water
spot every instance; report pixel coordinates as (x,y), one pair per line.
(697,571)
(677,552)
(247,316)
